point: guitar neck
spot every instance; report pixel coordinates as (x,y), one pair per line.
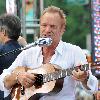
(63,73)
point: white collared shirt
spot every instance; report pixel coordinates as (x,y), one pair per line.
(66,56)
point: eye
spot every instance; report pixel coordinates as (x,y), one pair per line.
(53,26)
(43,25)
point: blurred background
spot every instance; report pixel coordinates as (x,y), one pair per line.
(78,15)
(82,29)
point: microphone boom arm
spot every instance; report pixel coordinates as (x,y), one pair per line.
(40,42)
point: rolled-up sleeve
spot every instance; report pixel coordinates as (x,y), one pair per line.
(2,87)
(92,83)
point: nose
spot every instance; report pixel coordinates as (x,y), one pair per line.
(48,29)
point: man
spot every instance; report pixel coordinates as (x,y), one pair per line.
(66,55)
(10,28)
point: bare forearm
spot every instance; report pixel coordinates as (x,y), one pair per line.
(10,80)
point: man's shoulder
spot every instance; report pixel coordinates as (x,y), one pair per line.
(71,46)
(32,49)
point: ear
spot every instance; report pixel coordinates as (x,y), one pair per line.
(5,33)
(62,29)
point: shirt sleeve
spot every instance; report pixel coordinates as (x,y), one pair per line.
(2,87)
(92,83)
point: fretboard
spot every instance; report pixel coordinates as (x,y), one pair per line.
(63,73)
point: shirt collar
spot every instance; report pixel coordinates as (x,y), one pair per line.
(59,48)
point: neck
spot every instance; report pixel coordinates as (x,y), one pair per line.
(48,51)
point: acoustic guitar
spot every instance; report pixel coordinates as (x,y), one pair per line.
(49,81)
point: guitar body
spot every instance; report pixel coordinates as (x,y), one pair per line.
(48,88)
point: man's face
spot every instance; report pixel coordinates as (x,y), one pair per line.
(51,26)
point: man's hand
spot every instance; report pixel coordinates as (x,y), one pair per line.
(80,75)
(26,79)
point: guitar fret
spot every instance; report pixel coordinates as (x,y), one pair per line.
(56,75)
(53,76)
(64,73)
(86,67)
(59,76)
(46,78)
(49,75)
(69,72)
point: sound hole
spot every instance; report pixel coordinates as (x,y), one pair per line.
(39,81)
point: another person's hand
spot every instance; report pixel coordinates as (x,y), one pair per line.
(22,41)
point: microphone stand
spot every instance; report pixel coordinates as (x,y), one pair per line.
(40,42)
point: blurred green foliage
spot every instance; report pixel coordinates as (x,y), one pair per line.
(2,6)
(77,19)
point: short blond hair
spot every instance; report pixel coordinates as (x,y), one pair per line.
(53,9)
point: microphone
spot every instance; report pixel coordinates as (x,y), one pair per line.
(39,42)
(44,41)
